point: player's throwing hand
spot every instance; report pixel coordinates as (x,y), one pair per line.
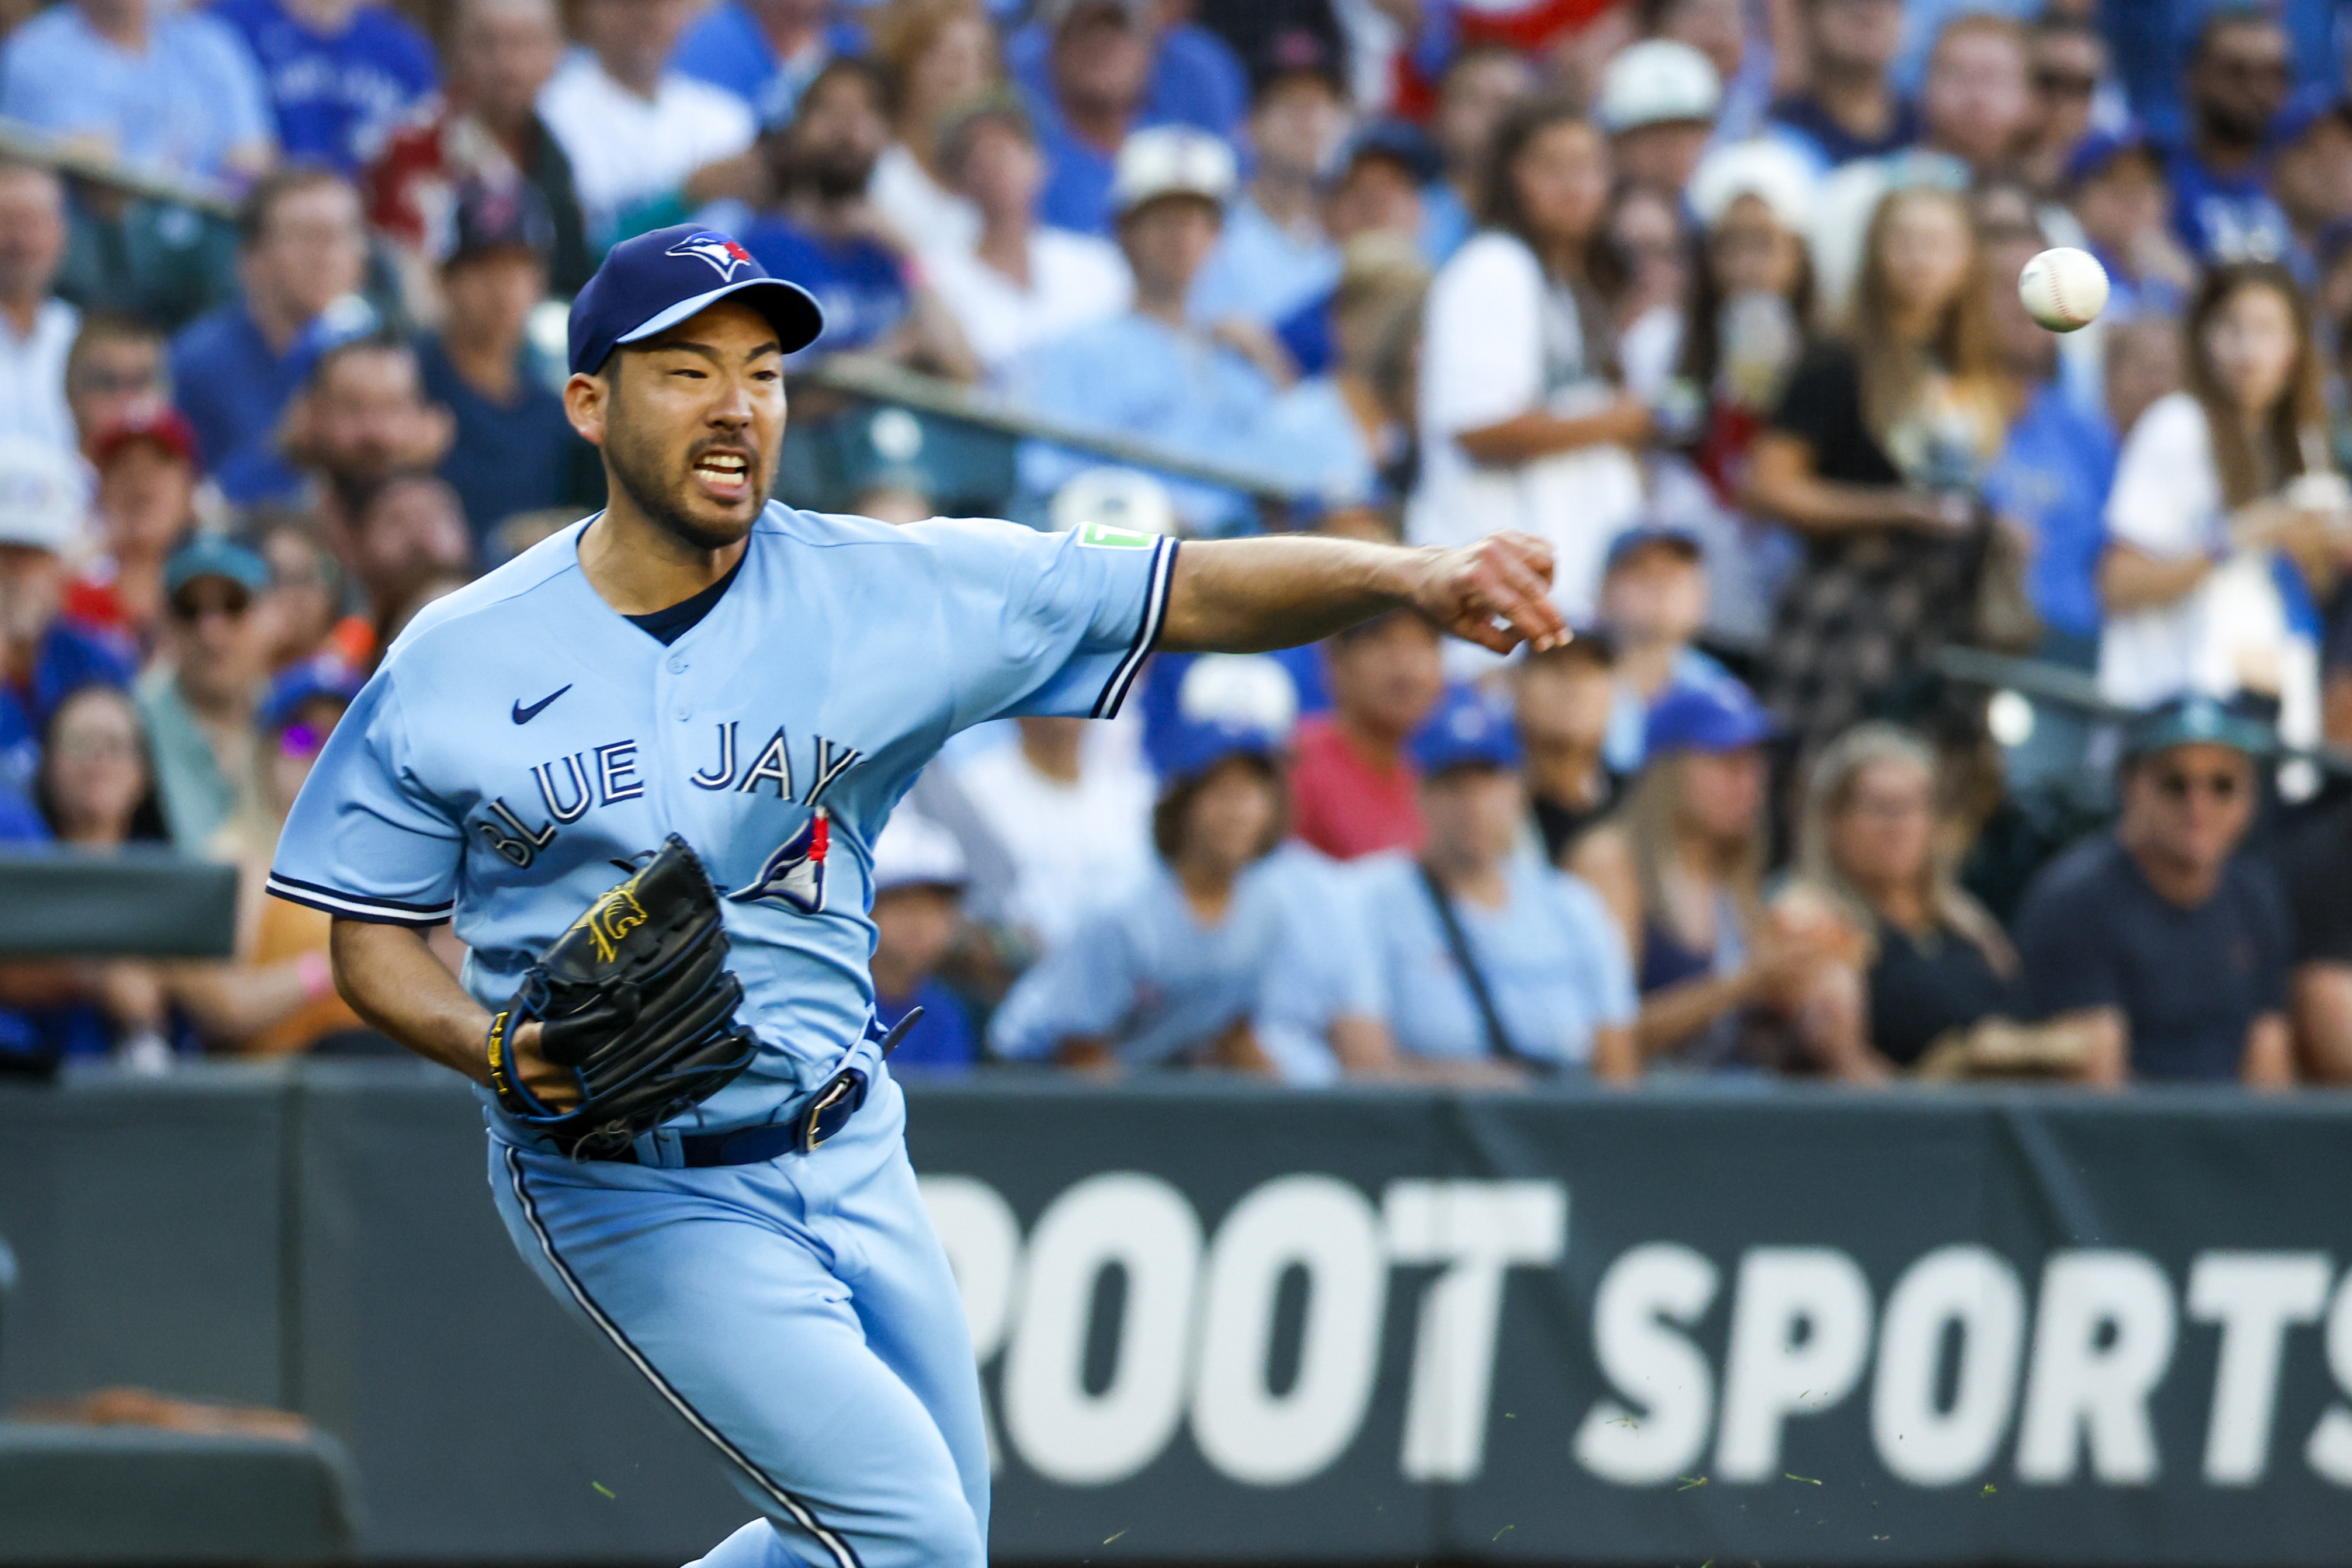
(1495,592)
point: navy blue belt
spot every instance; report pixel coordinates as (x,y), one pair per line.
(828,1111)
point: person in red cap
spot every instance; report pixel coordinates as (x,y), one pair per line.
(146,502)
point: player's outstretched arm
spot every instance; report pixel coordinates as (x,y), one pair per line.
(1245,596)
(392,979)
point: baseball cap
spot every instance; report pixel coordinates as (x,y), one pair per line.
(502,215)
(213,555)
(1115,497)
(913,851)
(1771,170)
(40,504)
(153,421)
(1294,51)
(1171,161)
(1469,730)
(325,678)
(1191,747)
(651,283)
(1646,534)
(1657,82)
(2196,719)
(1719,716)
(1398,141)
(2096,152)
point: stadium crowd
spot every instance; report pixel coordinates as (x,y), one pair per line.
(1717,296)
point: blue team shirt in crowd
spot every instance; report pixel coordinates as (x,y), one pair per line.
(941,1041)
(1195,80)
(2052,475)
(1261,271)
(1808,126)
(336,98)
(2227,218)
(861,284)
(70,657)
(521,735)
(1324,969)
(1552,960)
(727,48)
(182,107)
(233,386)
(507,457)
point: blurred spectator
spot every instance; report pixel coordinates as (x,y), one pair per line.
(1652,603)
(1717,29)
(2237,84)
(485,129)
(304,606)
(360,418)
(1344,436)
(114,369)
(408,530)
(2169,947)
(172,91)
(1737,340)
(438,584)
(2225,527)
(763,51)
(36,331)
(2119,195)
(1093,72)
(1658,103)
(1850,109)
(95,786)
(2143,365)
(45,657)
(1169,974)
(1491,960)
(1563,701)
(2070,65)
(1373,195)
(340,73)
(513,449)
(2311,856)
(1521,422)
(1320,1009)
(198,704)
(146,503)
(633,126)
(1353,790)
(1725,982)
(1481,85)
(919,881)
(1870,840)
(1020,283)
(161,262)
(1076,823)
(1151,373)
(2310,169)
(826,235)
(302,248)
(1874,458)
(938,57)
(1646,231)
(1273,254)
(277,996)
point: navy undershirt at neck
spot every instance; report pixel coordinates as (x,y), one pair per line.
(666,626)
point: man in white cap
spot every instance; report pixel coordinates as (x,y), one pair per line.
(43,657)
(1150,373)
(1658,103)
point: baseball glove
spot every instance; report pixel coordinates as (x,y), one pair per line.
(635,1000)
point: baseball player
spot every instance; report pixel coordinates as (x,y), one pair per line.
(721,699)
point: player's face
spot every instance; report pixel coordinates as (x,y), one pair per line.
(691,423)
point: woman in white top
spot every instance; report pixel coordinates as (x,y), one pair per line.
(937,55)
(1523,423)
(2224,527)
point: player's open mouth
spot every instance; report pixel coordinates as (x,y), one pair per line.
(725,476)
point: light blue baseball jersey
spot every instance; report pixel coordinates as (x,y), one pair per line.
(1553,962)
(1325,969)
(521,736)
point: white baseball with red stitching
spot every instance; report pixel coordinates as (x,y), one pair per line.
(2064,289)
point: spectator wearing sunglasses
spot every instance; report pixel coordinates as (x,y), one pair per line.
(2167,946)
(199,703)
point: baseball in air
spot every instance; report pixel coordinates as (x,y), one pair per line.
(2064,289)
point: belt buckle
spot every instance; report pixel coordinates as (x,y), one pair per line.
(816,1129)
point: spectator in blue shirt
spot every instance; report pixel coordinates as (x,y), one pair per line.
(2116,189)
(513,449)
(2237,84)
(919,882)
(1849,107)
(1653,604)
(168,89)
(1497,967)
(302,254)
(765,52)
(340,73)
(1273,255)
(1150,373)
(44,656)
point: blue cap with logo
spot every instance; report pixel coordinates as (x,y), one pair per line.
(1717,717)
(324,678)
(1469,730)
(651,283)
(2096,152)
(212,556)
(1191,747)
(2196,719)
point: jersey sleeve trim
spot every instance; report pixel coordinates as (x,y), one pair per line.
(355,906)
(1147,632)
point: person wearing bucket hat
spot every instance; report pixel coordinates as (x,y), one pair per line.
(1168,974)
(1726,980)
(705,677)
(1495,967)
(2167,946)
(200,714)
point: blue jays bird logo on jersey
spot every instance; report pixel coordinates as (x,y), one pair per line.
(723,254)
(794,875)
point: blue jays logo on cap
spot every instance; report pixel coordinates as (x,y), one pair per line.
(725,255)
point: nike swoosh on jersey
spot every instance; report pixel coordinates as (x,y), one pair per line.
(523,715)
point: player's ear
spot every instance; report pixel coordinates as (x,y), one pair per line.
(585,399)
